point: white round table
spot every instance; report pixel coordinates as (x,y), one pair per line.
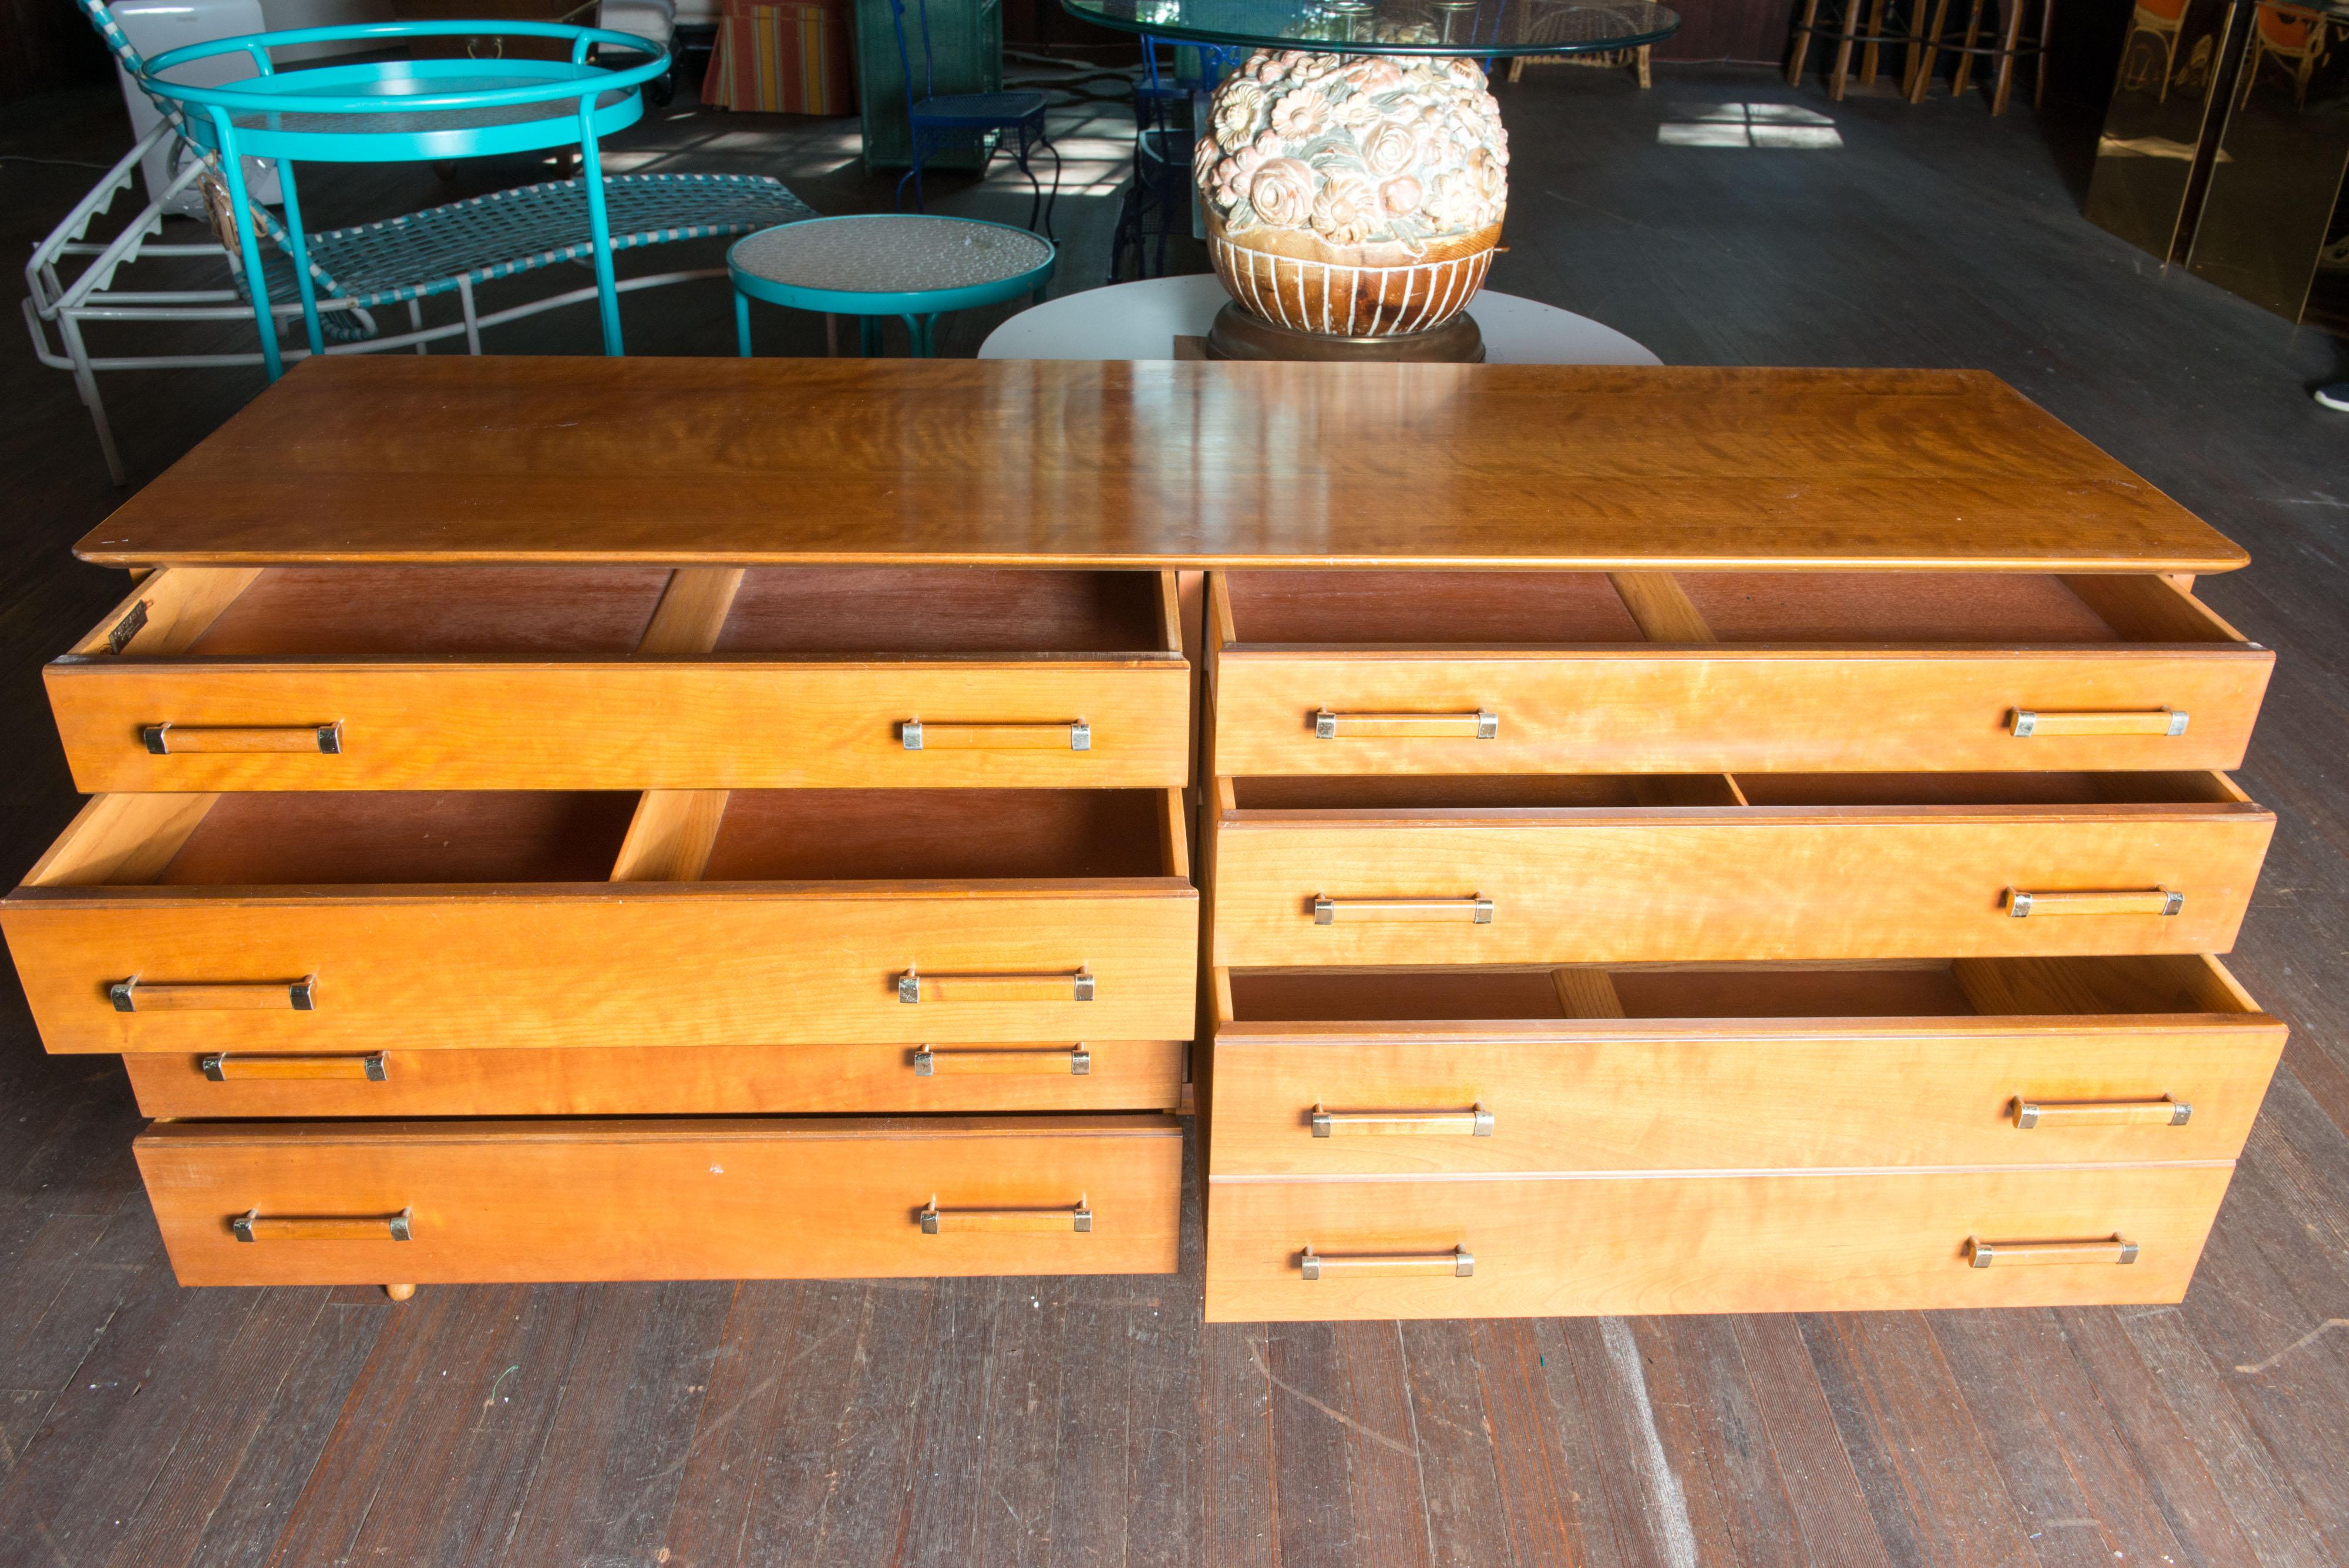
(1142,320)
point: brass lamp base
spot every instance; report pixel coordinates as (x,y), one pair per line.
(1237,335)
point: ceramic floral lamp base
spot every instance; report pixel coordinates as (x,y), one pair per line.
(1352,198)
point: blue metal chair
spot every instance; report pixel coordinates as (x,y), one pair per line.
(972,120)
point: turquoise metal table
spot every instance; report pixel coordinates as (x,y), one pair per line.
(401,109)
(910,265)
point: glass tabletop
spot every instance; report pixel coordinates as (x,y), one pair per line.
(1392,26)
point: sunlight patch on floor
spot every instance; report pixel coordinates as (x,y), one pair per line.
(1779,126)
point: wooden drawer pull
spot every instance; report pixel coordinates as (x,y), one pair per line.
(1479,725)
(2101,901)
(254,1226)
(1458,1263)
(137,995)
(171,740)
(1473,910)
(219,1068)
(1053,985)
(1474,1122)
(1074,1062)
(1071,735)
(2164,1112)
(2006,1254)
(2027,722)
(936,1220)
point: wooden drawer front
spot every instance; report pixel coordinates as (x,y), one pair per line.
(605,1081)
(1570,1247)
(603,965)
(1603,887)
(1666,711)
(673,724)
(652,1199)
(1715,1094)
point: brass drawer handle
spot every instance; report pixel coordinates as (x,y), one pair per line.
(137,995)
(220,1067)
(2026,722)
(1052,985)
(172,740)
(253,1226)
(2164,1112)
(2095,901)
(1473,910)
(935,1221)
(1074,1062)
(2005,1254)
(1458,1263)
(1480,725)
(1474,1122)
(1073,735)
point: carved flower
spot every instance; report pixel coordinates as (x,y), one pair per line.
(1356,110)
(1372,75)
(1454,203)
(1238,103)
(1266,66)
(1401,195)
(1301,115)
(1492,179)
(1233,174)
(1388,149)
(1344,211)
(1205,154)
(1282,192)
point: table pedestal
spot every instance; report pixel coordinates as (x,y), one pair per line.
(1237,335)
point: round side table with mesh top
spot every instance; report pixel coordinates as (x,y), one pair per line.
(907,265)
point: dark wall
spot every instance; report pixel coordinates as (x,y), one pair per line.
(46,44)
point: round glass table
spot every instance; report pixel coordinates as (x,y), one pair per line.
(1351,170)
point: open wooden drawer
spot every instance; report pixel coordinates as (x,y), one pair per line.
(869,1079)
(1601,869)
(378,921)
(601,676)
(1983,1062)
(1570,1245)
(415,1202)
(1493,672)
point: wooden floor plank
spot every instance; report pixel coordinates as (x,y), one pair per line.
(831,1370)
(2068,1523)
(1681,1404)
(1763,1521)
(1627,1469)
(764,1344)
(1538,1500)
(1459,1469)
(617,1448)
(1822,1489)
(1023,1429)
(1932,1487)
(868,1460)
(244,1526)
(1239,1503)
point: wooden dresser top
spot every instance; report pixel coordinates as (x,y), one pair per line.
(1120,464)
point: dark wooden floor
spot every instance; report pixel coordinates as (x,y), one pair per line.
(1015,1421)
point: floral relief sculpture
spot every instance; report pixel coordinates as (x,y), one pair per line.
(1353,195)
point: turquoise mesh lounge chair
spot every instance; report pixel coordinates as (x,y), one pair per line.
(353,271)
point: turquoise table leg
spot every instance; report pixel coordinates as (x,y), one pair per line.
(868,336)
(591,170)
(299,248)
(920,333)
(248,244)
(743,321)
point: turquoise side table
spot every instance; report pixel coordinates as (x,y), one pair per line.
(907,265)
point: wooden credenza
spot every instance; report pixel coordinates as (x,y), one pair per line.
(582,819)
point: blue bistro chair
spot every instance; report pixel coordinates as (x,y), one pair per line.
(943,121)
(910,265)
